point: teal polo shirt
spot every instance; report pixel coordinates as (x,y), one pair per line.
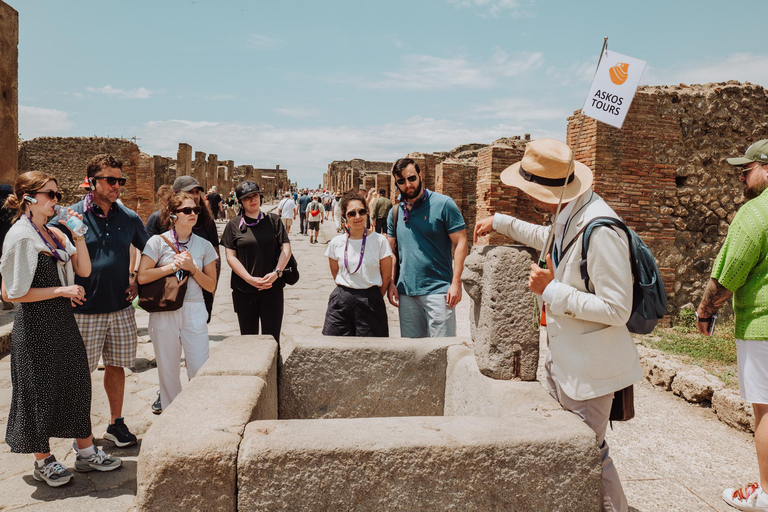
(424,247)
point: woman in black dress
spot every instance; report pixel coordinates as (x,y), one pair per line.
(49,369)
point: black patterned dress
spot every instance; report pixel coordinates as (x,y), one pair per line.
(49,370)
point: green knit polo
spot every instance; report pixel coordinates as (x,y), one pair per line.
(742,267)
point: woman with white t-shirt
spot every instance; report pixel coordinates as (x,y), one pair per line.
(186,327)
(361,266)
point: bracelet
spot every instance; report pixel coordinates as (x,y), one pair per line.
(195,271)
(78,238)
(702,319)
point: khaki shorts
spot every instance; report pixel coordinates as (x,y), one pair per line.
(109,336)
(287,221)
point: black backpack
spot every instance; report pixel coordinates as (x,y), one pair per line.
(649,299)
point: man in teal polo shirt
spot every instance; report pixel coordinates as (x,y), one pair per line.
(741,271)
(428,225)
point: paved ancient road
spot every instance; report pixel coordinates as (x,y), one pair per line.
(672,456)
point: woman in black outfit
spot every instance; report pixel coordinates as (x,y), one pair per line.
(257,249)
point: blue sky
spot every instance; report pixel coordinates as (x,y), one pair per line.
(302,83)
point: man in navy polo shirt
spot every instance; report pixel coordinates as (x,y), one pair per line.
(429,225)
(107,319)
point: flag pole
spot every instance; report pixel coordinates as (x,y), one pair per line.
(550,239)
(537,312)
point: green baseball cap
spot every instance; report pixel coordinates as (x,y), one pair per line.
(757,152)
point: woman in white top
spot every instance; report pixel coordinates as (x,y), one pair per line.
(185,327)
(337,212)
(361,266)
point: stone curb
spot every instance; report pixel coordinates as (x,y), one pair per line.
(695,385)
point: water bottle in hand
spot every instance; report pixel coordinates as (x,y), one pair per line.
(74,224)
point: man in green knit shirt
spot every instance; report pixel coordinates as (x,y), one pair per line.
(741,271)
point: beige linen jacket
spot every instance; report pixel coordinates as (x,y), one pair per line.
(593,353)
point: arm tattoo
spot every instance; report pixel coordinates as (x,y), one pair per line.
(715,296)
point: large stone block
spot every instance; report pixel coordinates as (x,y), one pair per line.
(732,410)
(332,377)
(254,356)
(695,385)
(496,279)
(532,461)
(196,439)
(470,393)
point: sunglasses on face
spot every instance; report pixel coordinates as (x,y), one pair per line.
(190,210)
(361,212)
(411,178)
(51,194)
(111,180)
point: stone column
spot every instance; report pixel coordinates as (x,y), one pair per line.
(9,93)
(184,160)
(501,312)
(210,172)
(198,171)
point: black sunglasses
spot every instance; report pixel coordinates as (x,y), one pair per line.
(190,210)
(361,212)
(411,178)
(51,194)
(111,180)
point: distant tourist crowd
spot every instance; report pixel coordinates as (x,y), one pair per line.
(79,273)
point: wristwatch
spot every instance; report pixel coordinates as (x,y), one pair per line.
(278,272)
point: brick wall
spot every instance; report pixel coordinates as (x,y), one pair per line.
(382,182)
(210,172)
(459,182)
(369,182)
(665,172)
(184,160)
(198,168)
(9,92)
(66,159)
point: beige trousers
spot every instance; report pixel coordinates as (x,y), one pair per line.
(594,412)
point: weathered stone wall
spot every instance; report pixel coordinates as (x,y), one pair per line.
(343,175)
(210,172)
(198,168)
(9,92)
(666,173)
(66,159)
(459,182)
(165,171)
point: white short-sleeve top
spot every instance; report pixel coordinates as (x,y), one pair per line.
(376,249)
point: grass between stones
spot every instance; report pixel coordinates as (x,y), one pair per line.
(716,354)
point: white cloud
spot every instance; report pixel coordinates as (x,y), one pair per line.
(37,122)
(129,94)
(297,112)
(495,8)
(306,152)
(261,42)
(744,67)
(518,110)
(574,74)
(426,72)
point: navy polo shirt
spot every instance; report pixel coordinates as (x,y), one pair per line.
(424,247)
(109,243)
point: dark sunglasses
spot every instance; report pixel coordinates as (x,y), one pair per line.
(51,194)
(190,210)
(111,180)
(361,212)
(411,178)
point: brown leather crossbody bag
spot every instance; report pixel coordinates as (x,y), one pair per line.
(165,294)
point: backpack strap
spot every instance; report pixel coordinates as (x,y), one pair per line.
(594,223)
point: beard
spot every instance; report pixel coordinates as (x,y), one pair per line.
(753,192)
(413,195)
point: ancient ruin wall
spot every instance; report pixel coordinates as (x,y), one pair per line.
(9,92)
(666,173)
(66,159)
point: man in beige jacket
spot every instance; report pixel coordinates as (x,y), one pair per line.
(591,352)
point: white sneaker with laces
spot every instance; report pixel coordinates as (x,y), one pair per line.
(51,472)
(98,461)
(748,498)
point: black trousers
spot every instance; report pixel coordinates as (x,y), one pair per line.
(265,307)
(381,225)
(303,223)
(354,312)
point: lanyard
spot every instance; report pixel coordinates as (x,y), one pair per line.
(88,206)
(180,245)
(362,252)
(244,225)
(406,204)
(53,249)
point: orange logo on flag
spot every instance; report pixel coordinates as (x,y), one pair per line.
(619,73)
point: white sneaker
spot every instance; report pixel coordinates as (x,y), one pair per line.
(98,461)
(748,498)
(51,472)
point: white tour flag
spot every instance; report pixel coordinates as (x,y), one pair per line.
(613,88)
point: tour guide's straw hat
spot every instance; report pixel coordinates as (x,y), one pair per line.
(757,152)
(245,189)
(543,170)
